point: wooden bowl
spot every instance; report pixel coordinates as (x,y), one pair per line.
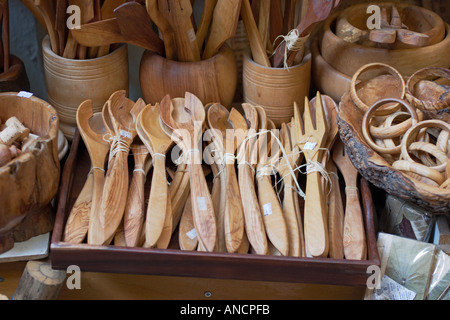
(211,80)
(373,167)
(29,182)
(15,79)
(351,24)
(276,89)
(69,82)
(347,57)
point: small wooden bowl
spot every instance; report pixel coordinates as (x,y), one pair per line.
(374,168)
(16,78)
(348,57)
(351,24)
(211,80)
(432,98)
(29,182)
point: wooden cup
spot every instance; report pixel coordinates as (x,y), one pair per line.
(211,80)
(71,81)
(276,89)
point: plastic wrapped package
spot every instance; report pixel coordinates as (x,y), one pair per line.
(440,279)
(406,268)
(404,219)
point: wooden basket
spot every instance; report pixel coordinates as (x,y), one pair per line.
(29,182)
(378,171)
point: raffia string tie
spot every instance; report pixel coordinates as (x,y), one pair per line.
(293,43)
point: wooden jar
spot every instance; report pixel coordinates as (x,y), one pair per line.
(211,80)
(15,78)
(71,81)
(30,181)
(276,89)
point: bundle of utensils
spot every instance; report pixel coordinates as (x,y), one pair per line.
(214,179)
(277,30)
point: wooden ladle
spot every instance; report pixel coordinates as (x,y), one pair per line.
(229,129)
(187,135)
(158,143)
(92,131)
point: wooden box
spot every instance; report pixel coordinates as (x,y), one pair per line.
(175,262)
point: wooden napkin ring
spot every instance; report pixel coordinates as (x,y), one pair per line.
(420,169)
(371,112)
(411,135)
(432,149)
(374,66)
(386,130)
(439,100)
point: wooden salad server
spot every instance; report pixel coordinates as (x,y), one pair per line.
(229,129)
(122,112)
(274,221)
(92,131)
(158,143)
(133,217)
(354,235)
(254,224)
(187,236)
(205,21)
(223,26)
(188,135)
(164,27)
(311,135)
(317,11)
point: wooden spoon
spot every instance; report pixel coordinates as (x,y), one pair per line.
(229,126)
(188,135)
(159,144)
(354,235)
(205,21)
(99,33)
(223,26)
(47,10)
(136,27)
(92,130)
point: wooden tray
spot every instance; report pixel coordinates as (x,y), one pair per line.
(175,262)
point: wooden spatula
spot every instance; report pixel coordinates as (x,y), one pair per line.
(223,25)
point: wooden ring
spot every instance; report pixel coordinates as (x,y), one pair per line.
(371,66)
(420,169)
(387,130)
(432,149)
(428,73)
(412,133)
(371,112)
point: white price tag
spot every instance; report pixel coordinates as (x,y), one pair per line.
(192,234)
(201,202)
(126,134)
(309,146)
(25,94)
(191,35)
(267,209)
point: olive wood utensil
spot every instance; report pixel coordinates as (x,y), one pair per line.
(264,21)
(158,143)
(205,22)
(187,136)
(276,22)
(122,112)
(311,136)
(254,224)
(133,218)
(223,26)
(187,236)
(60,23)
(335,214)
(317,11)
(47,11)
(228,126)
(272,212)
(257,47)
(164,27)
(92,130)
(136,26)
(354,235)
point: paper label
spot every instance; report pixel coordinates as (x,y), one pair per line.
(267,209)
(201,202)
(25,94)
(126,134)
(391,290)
(309,146)
(192,234)
(191,35)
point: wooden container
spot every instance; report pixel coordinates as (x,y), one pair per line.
(71,81)
(348,57)
(211,80)
(29,182)
(276,89)
(176,262)
(15,79)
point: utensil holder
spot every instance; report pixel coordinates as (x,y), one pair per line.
(211,80)
(70,81)
(276,89)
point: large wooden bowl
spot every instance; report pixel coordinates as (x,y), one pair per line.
(378,171)
(29,182)
(211,80)
(347,57)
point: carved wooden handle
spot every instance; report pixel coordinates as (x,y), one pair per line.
(292,217)
(355,246)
